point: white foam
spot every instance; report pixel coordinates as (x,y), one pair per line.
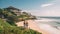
(49,28)
(46,19)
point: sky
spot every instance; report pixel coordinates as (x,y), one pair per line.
(35,7)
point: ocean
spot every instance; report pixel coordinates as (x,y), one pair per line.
(49,24)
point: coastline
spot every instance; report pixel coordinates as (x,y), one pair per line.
(33,25)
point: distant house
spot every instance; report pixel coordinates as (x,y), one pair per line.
(15,10)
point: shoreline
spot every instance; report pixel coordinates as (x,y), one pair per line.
(33,25)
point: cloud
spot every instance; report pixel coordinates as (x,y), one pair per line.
(45,12)
(46,5)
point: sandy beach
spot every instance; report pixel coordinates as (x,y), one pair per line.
(33,25)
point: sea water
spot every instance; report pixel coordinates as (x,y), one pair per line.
(49,24)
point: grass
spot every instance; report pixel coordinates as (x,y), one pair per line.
(6,28)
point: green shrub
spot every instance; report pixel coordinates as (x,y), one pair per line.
(16,30)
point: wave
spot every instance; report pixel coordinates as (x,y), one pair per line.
(50,25)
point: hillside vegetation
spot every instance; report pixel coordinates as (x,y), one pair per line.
(8,19)
(14,15)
